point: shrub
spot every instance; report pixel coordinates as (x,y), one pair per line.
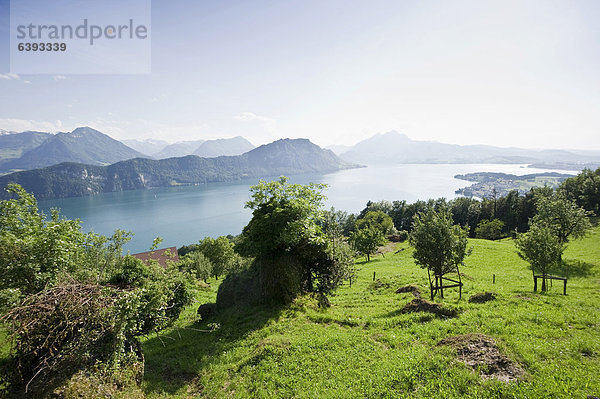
(489,229)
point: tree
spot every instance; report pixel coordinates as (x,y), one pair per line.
(377,220)
(584,190)
(220,253)
(440,246)
(562,217)
(366,240)
(197,264)
(541,248)
(292,253)
(73,301)
(489,229)
(35,251)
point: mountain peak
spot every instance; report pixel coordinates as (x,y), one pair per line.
(83,130)
(82,145)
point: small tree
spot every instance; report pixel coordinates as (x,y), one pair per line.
(378,220)
(220,253)
(440,246)
(366,240)
(489,229)
(197,264)
(541,248)
(563,217)
(291,252)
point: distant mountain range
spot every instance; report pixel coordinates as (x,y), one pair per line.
(14,145)
(284,156)
(233,146)
(147,147)
(82,145)
(393,147)
(203,148)
(179,149)
(32,150)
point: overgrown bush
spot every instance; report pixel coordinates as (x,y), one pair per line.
(489,229)
(72,301)
(67,328)
(291,252)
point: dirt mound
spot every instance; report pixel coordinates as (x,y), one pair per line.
(410,288)
(422,305)
(482,297)
(207,310)
(481,353)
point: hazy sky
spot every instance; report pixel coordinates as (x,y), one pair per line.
(509,73)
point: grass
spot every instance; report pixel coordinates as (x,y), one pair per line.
(364,346)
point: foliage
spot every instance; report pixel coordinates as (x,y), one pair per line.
(563,217)
(196,264)
(440,246)
(541,248)
(303,351)
(186,249)
(337,222)
(70,327)
(377,220)
(219,251)
(489,229)
(71,298)
(284,219)
(35,251)
(584,190)
(292,253)
(366,240)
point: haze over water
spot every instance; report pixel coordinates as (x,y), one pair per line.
(184,215)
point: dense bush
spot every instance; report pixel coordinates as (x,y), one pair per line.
(292,253)
(489,229)
(584,189)
(72,301)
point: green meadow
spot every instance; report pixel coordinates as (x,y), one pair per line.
(365,346)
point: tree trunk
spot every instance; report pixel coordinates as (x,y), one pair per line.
(544,282)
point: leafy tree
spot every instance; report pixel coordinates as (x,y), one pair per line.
(563,217)
(197,264)
(377,220)
(72,299)
(584,190)
(292,253)
(541,248)
(35,251)
(440,246)
(186,249)
(379,206)
(220,253)
(466,212)
(335,222)
(284,218)
(490,229)
(366,240)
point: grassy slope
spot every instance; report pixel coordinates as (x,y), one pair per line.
(364,347)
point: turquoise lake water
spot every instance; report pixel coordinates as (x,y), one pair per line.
(183,215)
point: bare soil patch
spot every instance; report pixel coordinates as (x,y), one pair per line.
(410,288)
(481,353)
(482,297)
(389,247)
(422,305)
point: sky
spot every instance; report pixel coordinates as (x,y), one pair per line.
(520,73)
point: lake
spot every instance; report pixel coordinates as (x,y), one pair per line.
(183,215)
